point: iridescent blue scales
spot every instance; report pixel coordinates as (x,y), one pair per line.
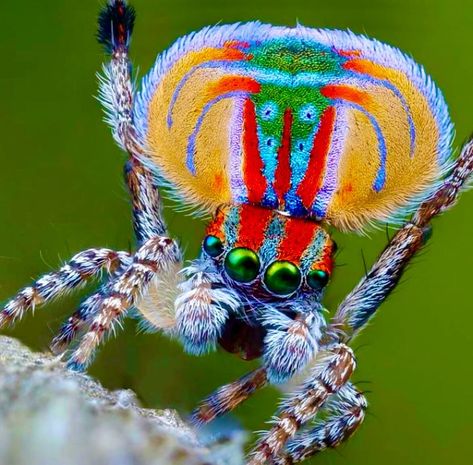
(276,132)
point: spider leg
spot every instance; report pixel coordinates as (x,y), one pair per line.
(122,293)
(361,304)
(288,346)
(77,271)
(80,319)
(228,397)
(345,415)
(147,222)
(332,370)
(115,27)
(146,202)
(116,92)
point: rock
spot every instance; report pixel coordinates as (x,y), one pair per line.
(52,416)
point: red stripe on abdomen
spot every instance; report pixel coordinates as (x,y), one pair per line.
(312,181)
(298,234)
(252,163)
(233,83)
(348,93)
(252,226)
(282,181)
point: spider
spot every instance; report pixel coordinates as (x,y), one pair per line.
(278,133)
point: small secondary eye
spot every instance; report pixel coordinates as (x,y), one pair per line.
(317,279)
(282,277)
(242,264)
(213,246)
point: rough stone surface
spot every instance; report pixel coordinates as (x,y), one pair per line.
(50,415)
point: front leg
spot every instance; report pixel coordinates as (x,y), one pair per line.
(330,373)
(116,90)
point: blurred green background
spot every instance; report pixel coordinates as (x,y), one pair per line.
(62,191)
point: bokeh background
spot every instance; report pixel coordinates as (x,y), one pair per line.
(62,191)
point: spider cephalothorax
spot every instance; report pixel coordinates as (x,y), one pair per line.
(267,254)
(282,132)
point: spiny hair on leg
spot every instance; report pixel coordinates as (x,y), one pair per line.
(290,343)
(331,372)
(122,293)
(148,220)
(75,323)
(344,414)
(228,397)
(77,271)
(116,89)
(203,306)
(86,311)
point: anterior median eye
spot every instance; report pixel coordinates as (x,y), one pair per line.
(317,279)
(213,246)
(282,277)
(242,264)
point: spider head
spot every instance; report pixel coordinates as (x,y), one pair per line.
(267,254)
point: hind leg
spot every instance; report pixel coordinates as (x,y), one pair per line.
(345,415)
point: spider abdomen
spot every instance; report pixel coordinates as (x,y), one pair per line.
(316,123)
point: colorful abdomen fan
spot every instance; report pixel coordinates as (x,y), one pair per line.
(316,123)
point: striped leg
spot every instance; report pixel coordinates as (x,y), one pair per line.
(345,415)
(361,304)
(147,216)
(153,256)
(228,397)
(288,345)
(79,320)
(115,26)
(116,23)
(82,267)
(329,375)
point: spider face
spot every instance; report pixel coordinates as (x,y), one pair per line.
(263,252)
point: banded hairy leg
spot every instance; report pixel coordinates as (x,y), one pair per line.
(361,304)
(82,267)
(345,413)
(131,273)
(156,251)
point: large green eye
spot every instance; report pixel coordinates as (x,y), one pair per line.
(282,277)
(242,264)
(317,279)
